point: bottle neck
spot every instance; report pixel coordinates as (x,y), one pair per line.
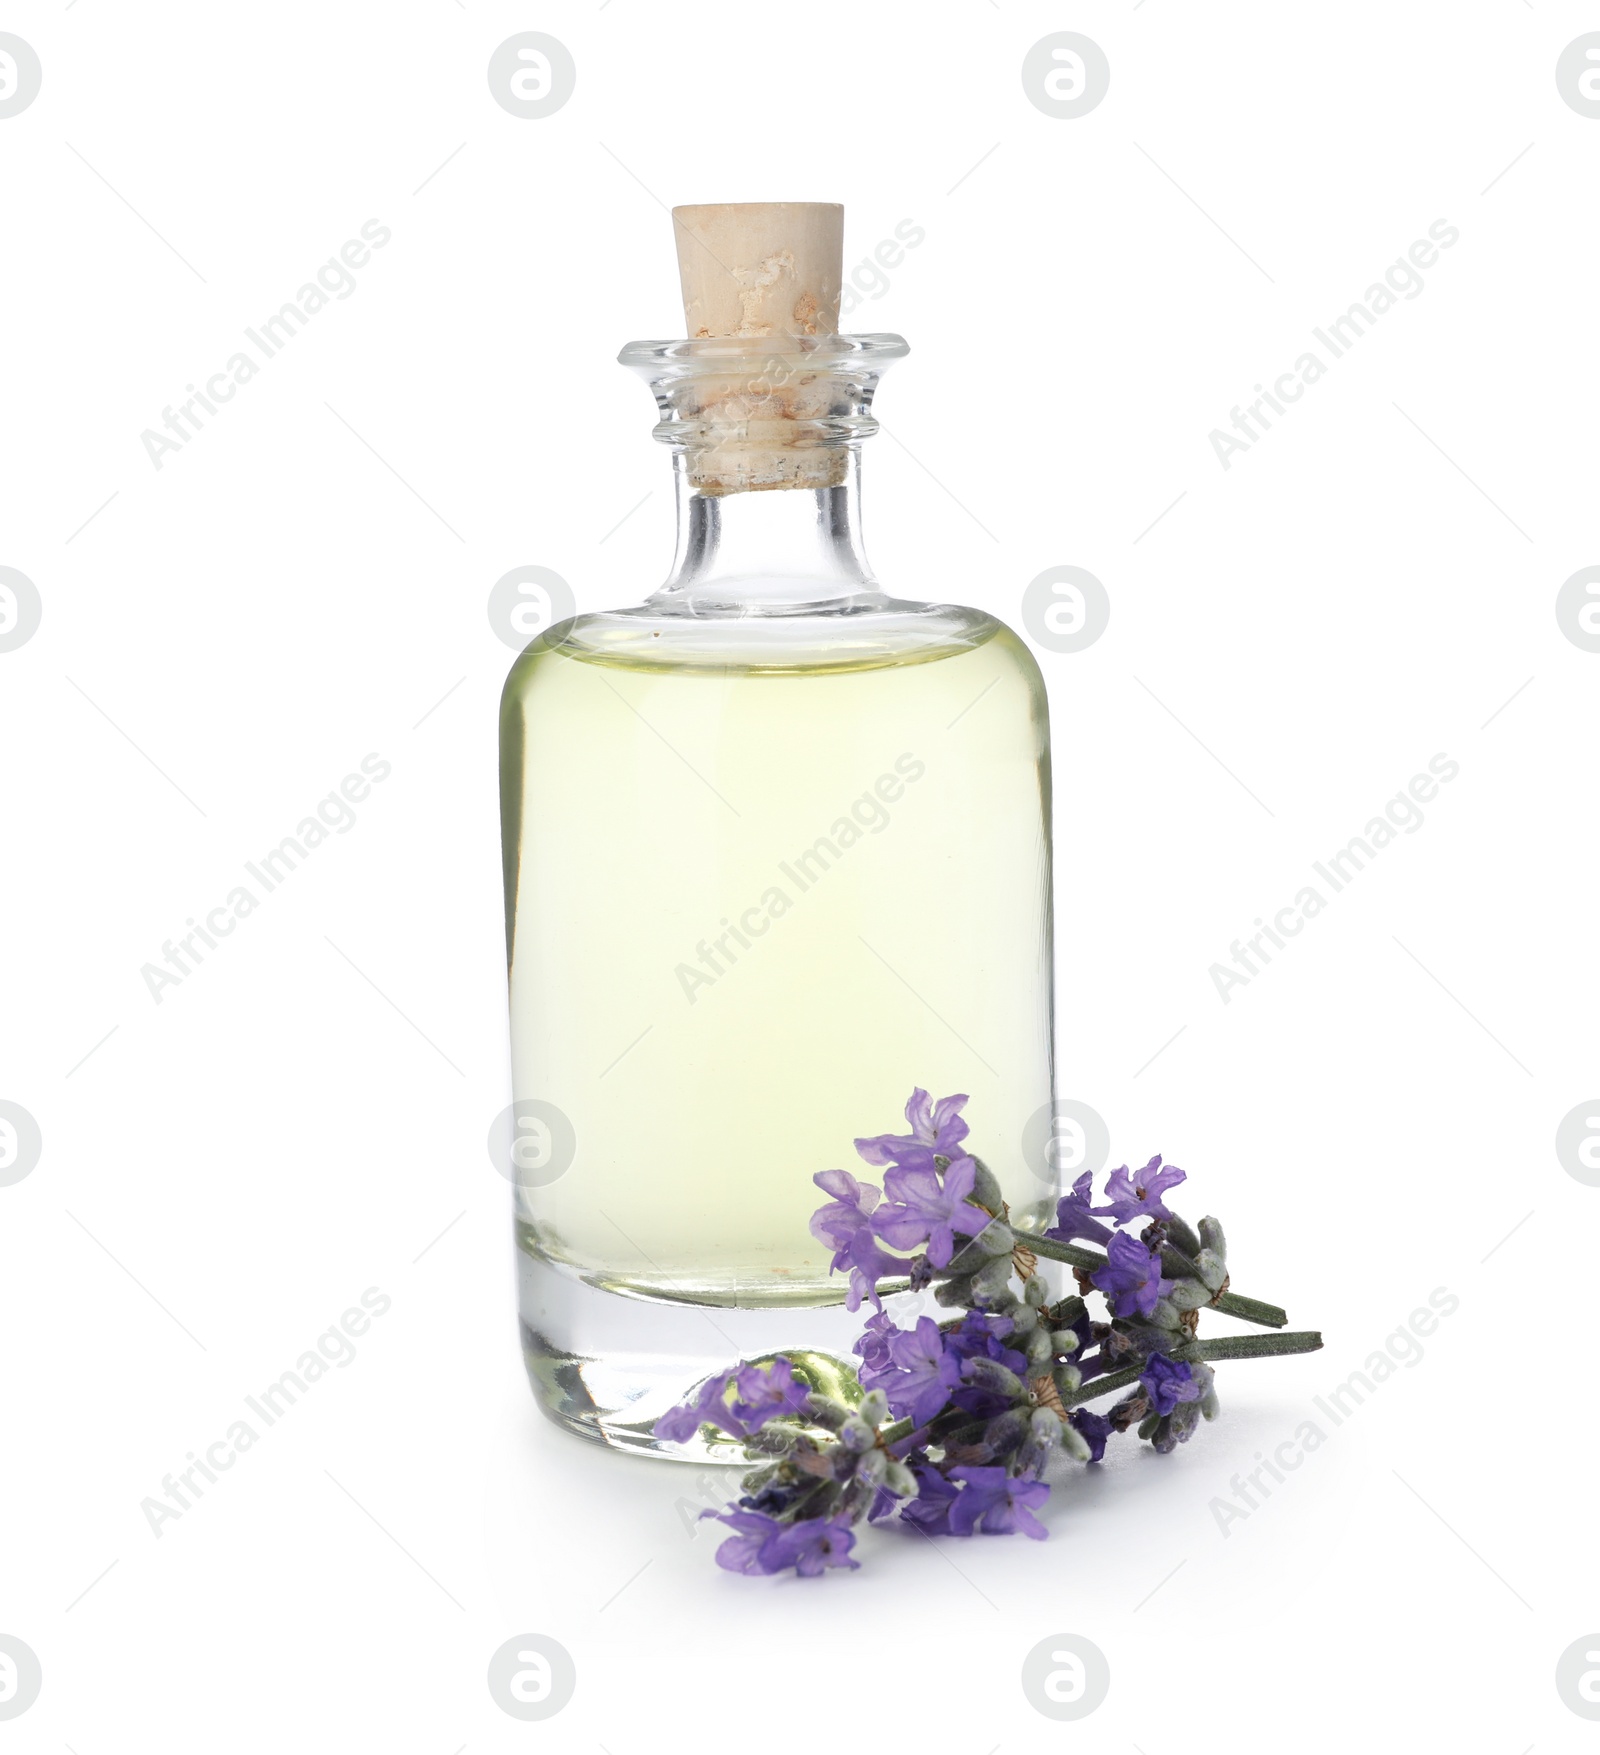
(766,437)
(771,551)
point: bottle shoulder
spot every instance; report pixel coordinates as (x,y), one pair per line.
(867,634)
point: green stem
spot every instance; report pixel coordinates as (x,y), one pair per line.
(1223,1347)
(1229,1303)
(1250,1346)
(1251,1310)
(1070,1253)
(1098,1386)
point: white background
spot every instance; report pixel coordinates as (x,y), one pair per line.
(224,638)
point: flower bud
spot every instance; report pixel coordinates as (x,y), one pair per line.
(992,1281)
(1207,1379)
(873,1466)
(1006,1431)
(991,1374)
(953,1294)
(1211,1238)
(1182,1234)
(1074,1443)
(1044,1426)
(1040,1351)
(874,1407)
(1064,1340)
(1036,1293)
(1069,1379)
(899,1479)
(1213,1269)
(1190,1295)
(1165,1315)
(996,1238)
(1133,1406)
(855,1434)
(969,1258)
(1185,1417)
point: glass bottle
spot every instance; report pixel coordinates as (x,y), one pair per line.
(777,850)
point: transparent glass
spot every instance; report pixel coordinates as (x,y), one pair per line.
(777,849)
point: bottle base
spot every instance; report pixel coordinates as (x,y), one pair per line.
(607,1365)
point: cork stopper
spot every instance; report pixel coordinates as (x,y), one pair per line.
(760,268)
(767,273)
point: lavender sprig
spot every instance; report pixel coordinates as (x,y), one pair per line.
(949,1426)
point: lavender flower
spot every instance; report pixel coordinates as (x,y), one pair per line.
(977,1339)
(872,1348)
(885,1503)
(936,1131)
(1075,1216)
(1139,1196)
(818,1543)
(845,1225)
(997,1503)
(925,1208)
(845,1216)
(1131,1278)
(741,1552)
(760,1394)
(1094,1429)
(762,1545)
(979,1399)
(919,1372)
(868,1264)
(980,1334)
(678,1425)
(766,1394)
(1168,1382)
(930,1510)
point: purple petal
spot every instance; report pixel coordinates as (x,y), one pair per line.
(844,1187)
(959,1177)
(949,1130)
(919,1114)
(679,1425)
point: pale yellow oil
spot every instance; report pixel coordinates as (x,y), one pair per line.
(754,898)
